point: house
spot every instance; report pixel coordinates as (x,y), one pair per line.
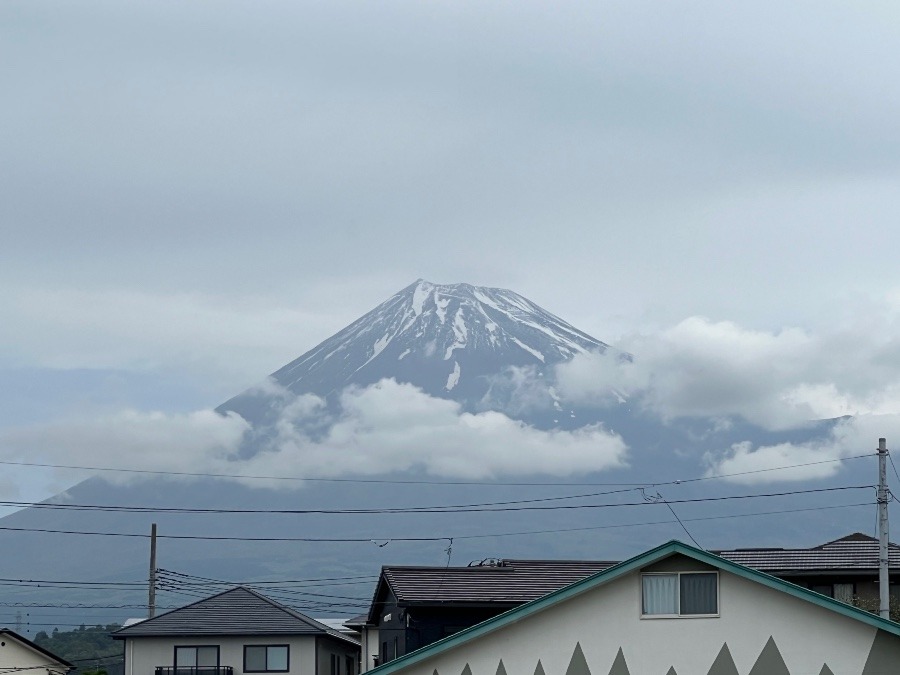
(20,655)
(846,568)
(415,606)
(236,632)
(673,610)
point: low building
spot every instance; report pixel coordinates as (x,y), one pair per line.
(415,606)
(672,610)
(845,569)
(21,656)
(236,632)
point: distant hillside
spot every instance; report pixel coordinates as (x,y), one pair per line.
(86,647)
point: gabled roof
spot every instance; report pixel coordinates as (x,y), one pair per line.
(601,578)
(855,552)
(11,634)
(239,611)
(503,582)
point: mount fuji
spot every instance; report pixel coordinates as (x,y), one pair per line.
(453,341)
(487,355)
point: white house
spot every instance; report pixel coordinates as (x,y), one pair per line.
(236,632)
(674,610)
(21,656)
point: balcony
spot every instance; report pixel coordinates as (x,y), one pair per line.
(195,670)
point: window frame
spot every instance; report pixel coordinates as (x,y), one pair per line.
(266,647)
(195,668)
(678,576)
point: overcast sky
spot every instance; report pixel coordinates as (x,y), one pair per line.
(194,193)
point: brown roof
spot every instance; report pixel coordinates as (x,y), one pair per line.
(857,552)
(502,581)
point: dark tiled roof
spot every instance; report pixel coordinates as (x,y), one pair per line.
(854,552)
(239,611)
(507,581)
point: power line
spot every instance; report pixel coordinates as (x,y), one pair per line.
(408,510)
(352,540)
(424,482)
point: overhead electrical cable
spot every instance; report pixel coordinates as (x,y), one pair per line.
(411,510)
(367,540)
(388,481)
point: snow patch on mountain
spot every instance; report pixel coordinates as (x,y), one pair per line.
(453,378)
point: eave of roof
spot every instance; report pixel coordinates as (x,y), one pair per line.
(36,647)
(623,568)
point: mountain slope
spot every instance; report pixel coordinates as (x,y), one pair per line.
(450,340)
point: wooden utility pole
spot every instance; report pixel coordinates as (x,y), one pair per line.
(884,581)
(151,597)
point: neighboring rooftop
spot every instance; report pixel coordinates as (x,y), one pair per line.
(239,611)
(856,551)
(512,582)
(501,581)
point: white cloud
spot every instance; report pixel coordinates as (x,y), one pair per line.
(776,379)
(130,439)
(397,426)
(387,426)
(849,438)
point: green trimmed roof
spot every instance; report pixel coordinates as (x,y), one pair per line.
(640,561)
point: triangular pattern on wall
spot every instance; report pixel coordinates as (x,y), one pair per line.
(724,663)
(671,671)
(539,668)
(619,667)
(435,672)
(884,654)
(770,661)
(467,670)
(501,669)
(578,664)
(825,670)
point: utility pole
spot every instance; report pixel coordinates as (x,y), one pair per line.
(884,582)
(151,597)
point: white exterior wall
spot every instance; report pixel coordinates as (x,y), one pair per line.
(609,617)
(14,654)
(368,642)
(144,654)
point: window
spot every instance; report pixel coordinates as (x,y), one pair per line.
(189,659)
(680,594)
(844,592)
(335,665)
(266,658)
(350,665)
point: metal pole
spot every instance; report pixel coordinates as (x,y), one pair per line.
(884,583)
(151,598)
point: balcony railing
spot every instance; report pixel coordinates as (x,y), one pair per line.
(195,670)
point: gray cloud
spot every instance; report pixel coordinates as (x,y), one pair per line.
(226,148)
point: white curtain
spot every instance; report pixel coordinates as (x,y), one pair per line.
(843,592)
(660,593)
